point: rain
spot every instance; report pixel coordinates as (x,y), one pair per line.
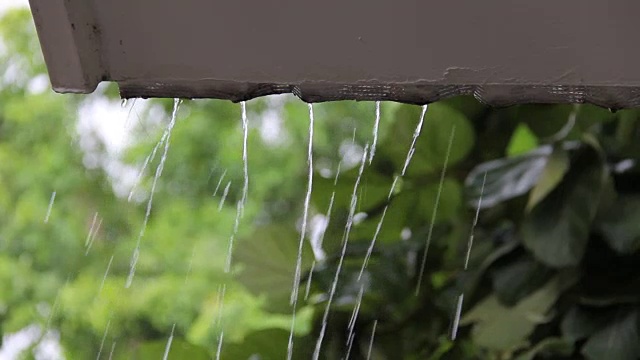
(286,225)
(166,137)
(435,211)
(50,207)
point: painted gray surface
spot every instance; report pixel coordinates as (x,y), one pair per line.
(502,51)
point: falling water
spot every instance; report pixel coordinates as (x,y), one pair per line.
(133,105)
(416,133)
(345,239)
(104,336)
(245,189)
(367,257)
(215,192)
(190,268)
(353,320)
(407,160)
(375,132)
(93,232)
(167,348)
(146,162)
(458,313)
(218,320)
(326,225)
(167,136)
(220,300)
(236,226)
(475,222)
(435,210)
(104,278)
(456,318)
(245,135)
(373,334)
(305,214)
(219,350)
(113,347)
(91,228)
(225,192)
(51,200)
(54,307)
(308,288)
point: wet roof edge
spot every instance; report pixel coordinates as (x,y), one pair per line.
(140,45)
(612,97)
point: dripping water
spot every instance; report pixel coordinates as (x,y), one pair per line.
(245,189)
(435,210)
(307,200)
(167,138)
(407,161)
(376,125)
(345,239)
(245,135)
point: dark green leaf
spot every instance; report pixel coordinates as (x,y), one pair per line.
(620,227)
(557,230)
(517,279)
(617,341)
(548,348)
(506,328)
(544,120)
(450,201)
(580,323)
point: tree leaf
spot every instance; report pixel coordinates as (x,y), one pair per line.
(517,279)
(557,230)
(522,141)
(450,202)
(554,171)
(544,120)
(579,323)
(617,341)
(373,190)
(620,227)
(506,178)
(498,327)
(269,259)
(433,142)
(267,345)
(548,347)
(180,349)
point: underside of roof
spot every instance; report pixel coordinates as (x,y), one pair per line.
(414,51)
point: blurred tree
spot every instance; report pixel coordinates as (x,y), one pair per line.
(552,272)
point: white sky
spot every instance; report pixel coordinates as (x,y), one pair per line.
(6,4)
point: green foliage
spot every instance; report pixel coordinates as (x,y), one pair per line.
(552,272)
